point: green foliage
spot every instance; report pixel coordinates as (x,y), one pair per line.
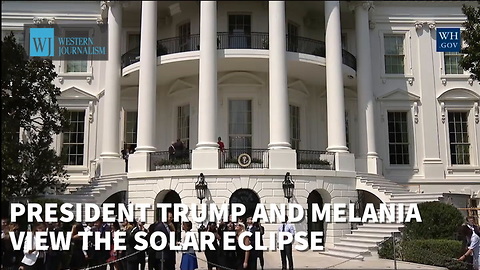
(439,221)
(471,36)
(172,162)
(29,102)
(437,252)
(314,161)
(385,249)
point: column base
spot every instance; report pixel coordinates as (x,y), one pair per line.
(433,168)
(203,159)
(344,161)
(139,162)
(282,159)
(109,166)
(369,164)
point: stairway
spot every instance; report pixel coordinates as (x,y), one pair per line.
(363,242)
(97,191)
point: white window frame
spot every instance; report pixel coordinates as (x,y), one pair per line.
(397,101)
(62,66)
(472,107)
(408,69)
(443,76)
(86,139)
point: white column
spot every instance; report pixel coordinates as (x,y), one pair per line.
(278,93)
(281,155)
(366,125)
(207,92)
(205,155)
(147,93)
(335,91)
(111,114)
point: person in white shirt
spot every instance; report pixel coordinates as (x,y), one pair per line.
(287,250)
(473,248)
(33,259)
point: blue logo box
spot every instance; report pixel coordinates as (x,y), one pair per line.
(42,42)
(448,40)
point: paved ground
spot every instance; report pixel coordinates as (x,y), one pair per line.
(315,260)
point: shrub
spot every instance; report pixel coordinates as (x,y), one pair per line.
(385,249)
(439,221)
(437,252)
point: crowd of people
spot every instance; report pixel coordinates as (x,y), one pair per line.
(131,259)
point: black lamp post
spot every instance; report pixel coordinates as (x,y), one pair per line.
(201,187)
(288,186)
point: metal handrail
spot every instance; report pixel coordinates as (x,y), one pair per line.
(225,40)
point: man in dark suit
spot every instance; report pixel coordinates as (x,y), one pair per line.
(53,257)
(166,257)
(132,260)
(101,256)
(252,259)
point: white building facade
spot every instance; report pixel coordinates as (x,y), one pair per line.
(351,98)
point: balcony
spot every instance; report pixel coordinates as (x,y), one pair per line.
(162,160)
(315,160)
(238,159)
(254,40)
(242,159)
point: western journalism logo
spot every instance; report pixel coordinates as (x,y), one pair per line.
(42,42)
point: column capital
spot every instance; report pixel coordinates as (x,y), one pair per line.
(366,5)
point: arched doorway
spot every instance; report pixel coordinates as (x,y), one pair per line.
(116,198)
(168,196)
(246,197)
(319,226)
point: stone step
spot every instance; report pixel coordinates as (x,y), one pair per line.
(378,235)
(357,245)
(343,254)
(375,230)
(365,240)
(350,249)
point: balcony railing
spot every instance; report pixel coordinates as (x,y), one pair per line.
(254,40)
(315,160)
(235,159)
(162,160)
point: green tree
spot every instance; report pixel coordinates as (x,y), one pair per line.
(29,102)
(471,59)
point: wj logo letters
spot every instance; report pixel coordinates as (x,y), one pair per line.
(42,42)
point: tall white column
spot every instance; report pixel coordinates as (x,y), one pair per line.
(207,92)
(281,155)
(205,155)
(278,93)
(147,93)
(111,115)
(366,125)
(335,91)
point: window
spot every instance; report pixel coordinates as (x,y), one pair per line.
(295,126)
(76,65)
(184,36)
(458,135)
(240,126)
(451,60)
(131,119)
(133,41)
(398,143)
(183,124)
(239,29)
(394,54)
(18,34)
(292,34)
(73,138)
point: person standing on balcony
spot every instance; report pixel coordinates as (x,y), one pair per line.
(179,149)
(221,145)
(171,151)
